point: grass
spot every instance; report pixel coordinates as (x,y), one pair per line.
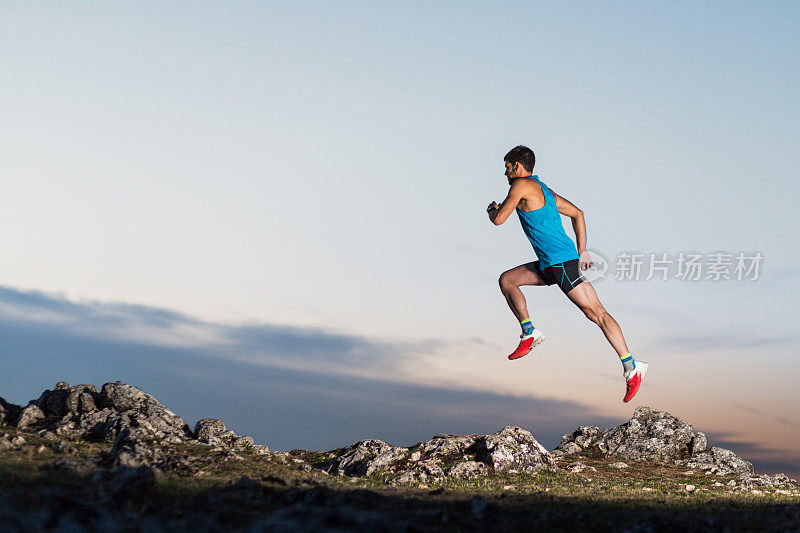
(644,493)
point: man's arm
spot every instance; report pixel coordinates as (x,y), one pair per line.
(565,207)
(502,212)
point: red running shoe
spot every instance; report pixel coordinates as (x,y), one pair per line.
(634,378)
(527,344)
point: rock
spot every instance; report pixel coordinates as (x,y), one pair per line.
(128,450)
(619,465)
(570,449)
(86,403)
(576,467)
(9,413)
(365,458)
(764,481)
(19,440)
(261,449)
(658,436)
(468,470)
(423,472)
(444,448)
(651,435)
(720,461)
(5,444)
(208,428)
(63,399)
(698,444)
(581,438)
(728,462)
(690,488)
(213,431)
(84,412)
(148,412)
(514,448)
(29,416)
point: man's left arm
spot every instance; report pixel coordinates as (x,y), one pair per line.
(565,207)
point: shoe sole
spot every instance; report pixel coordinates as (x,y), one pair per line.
(534,344)
(538,341)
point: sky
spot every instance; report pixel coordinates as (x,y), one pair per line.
(274,213)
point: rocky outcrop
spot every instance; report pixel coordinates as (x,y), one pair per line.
(512,449)
(213,431)
(764,482)
(657,436)
(139,427)
(367,457)
(84,412)
(719,461)
(135,422)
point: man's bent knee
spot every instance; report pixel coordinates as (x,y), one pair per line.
(506,281)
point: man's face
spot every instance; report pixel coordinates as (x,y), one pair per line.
(512,171)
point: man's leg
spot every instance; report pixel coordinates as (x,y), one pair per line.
(585,297)
(510,282)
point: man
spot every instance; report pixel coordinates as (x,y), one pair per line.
(539,209)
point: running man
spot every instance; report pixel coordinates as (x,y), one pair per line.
(539,209)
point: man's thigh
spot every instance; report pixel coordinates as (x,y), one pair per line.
(523,275)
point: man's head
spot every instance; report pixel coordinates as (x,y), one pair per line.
(519,162)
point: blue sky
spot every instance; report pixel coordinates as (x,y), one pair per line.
(324,168)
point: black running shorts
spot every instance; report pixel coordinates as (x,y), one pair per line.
(567,274)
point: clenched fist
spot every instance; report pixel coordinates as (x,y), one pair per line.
(586,260)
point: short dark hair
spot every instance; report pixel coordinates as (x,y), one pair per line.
(522,155)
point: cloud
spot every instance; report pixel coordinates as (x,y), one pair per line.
(286,386)
(762,412)
(723,340)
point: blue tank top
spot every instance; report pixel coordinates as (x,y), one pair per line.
(543,228)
